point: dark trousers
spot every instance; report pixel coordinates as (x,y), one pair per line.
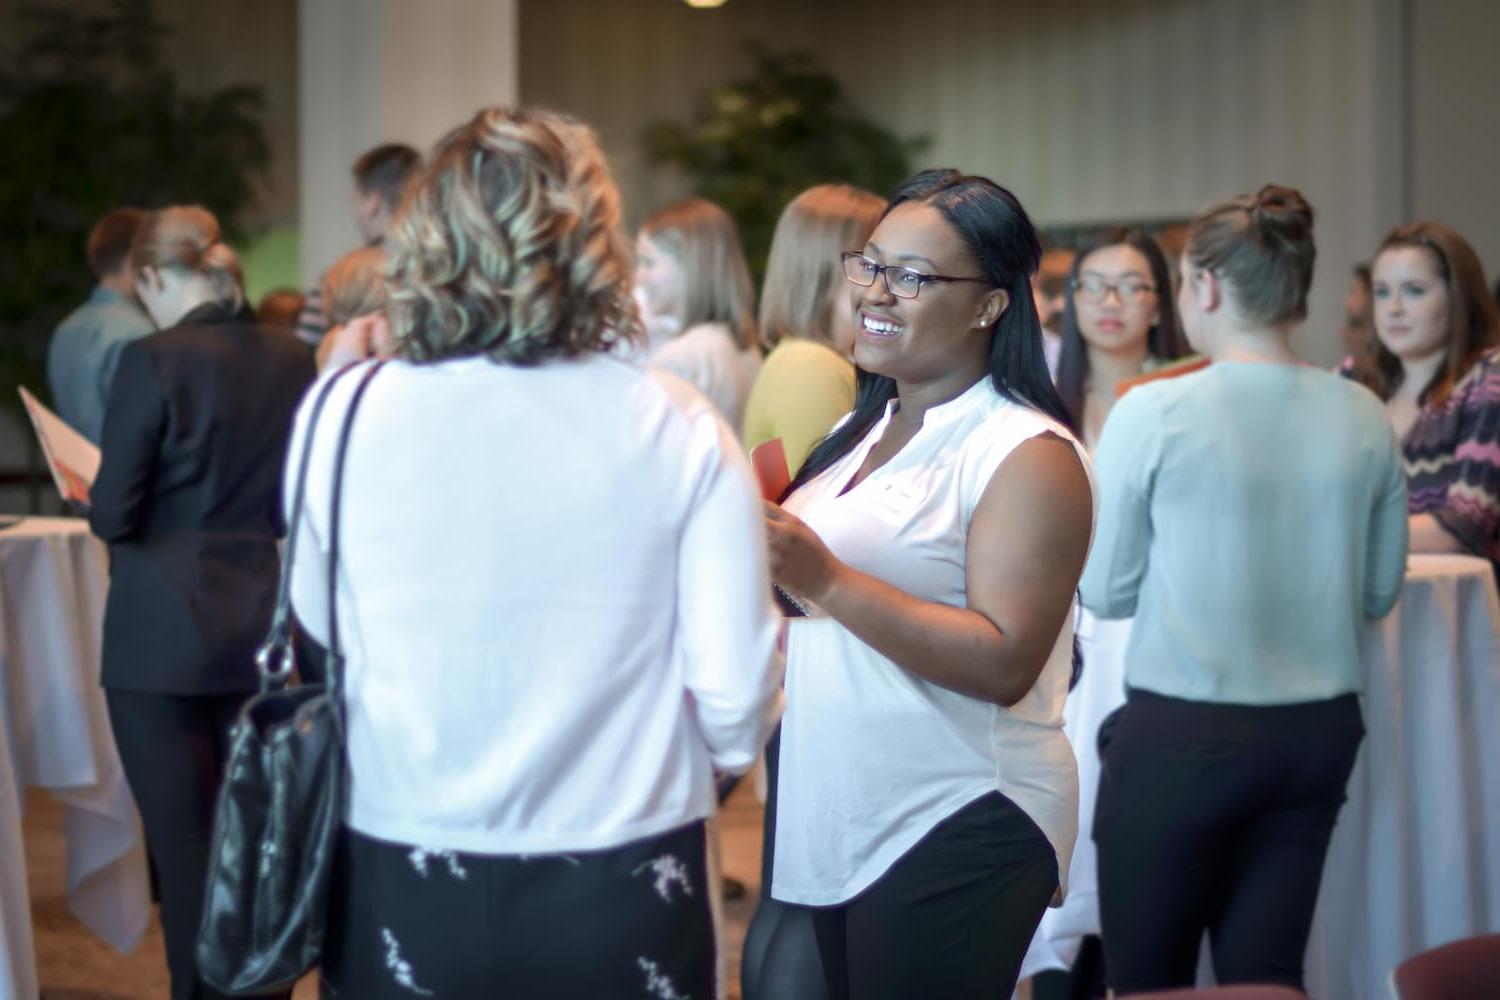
(629,922)
(952,918)
(173,749)
(1216,818)
(1084,981)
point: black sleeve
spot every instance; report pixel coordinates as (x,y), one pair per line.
(303,374)
(134,421)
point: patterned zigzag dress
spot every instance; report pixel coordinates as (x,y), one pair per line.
(1452,457)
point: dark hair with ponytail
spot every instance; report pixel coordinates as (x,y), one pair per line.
(996,229)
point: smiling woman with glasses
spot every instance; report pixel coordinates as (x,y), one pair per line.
(926,799)
(1117,323)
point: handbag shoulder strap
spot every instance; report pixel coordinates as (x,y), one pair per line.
(275,669)
(335,646)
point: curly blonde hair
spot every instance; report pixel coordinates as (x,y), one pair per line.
(508,244)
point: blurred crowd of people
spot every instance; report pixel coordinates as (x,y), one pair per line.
(568,609)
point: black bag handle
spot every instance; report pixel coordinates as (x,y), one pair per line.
(274,670)
(335,647)
(276,658)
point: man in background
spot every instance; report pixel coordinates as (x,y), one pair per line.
(85,347)
(1049,290)
(380,176)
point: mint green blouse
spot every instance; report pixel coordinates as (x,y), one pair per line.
(1251,517)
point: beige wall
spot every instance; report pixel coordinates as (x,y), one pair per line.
(1090,110)
(216,43)
(377,71)
(213,43)
(1454,135)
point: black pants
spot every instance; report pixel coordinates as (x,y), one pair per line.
(173,749)
(631,922)
(952,918)
(1216,818)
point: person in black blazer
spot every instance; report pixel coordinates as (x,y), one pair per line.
(188,497)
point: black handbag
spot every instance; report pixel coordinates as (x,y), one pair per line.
(282,804)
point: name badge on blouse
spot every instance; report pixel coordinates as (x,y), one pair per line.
(894,501)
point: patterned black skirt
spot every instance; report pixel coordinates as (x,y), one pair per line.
(632,921)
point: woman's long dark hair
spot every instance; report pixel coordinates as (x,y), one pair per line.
(1164,340)
(998,232)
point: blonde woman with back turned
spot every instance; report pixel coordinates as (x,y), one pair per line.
(556,602)
(691,276)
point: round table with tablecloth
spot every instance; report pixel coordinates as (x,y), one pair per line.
(55,734)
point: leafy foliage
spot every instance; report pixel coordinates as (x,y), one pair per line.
(758,143)
(91,118)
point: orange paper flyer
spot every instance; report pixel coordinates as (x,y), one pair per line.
(72,458)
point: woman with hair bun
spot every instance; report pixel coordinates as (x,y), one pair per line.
(556,596)
(1252,516)
(188,498)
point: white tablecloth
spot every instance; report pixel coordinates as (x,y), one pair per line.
(1415,857)
(56,735)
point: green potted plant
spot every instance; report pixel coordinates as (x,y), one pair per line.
(92,118)
(757,143)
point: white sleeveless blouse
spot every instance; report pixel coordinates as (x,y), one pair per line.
(872,756)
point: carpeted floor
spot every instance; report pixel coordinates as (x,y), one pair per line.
(74,965)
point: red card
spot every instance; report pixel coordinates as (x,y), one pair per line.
(769,461)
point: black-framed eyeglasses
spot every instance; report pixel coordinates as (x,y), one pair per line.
(902,282)
(1095,288)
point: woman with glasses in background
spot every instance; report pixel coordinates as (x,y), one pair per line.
(1118,322)
(927,795)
